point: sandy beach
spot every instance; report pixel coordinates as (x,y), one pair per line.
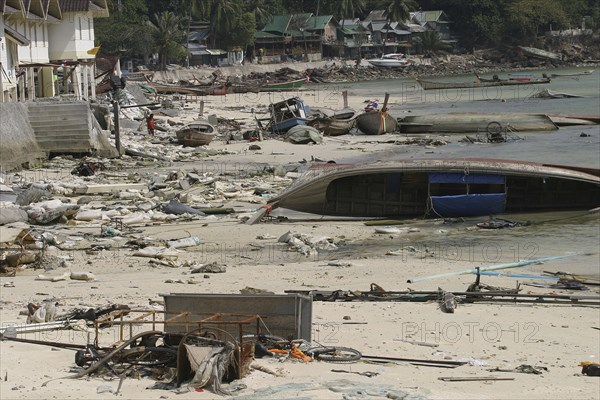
(555,338)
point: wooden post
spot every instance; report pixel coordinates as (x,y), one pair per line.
(117,127)
(345,96)
(385,101)
(201,113)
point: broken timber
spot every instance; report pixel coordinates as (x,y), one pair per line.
(461,297)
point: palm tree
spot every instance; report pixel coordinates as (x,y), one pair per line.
(431,41)
(398,11)
(167,35)
(349,8)
(260,10)
(221,15)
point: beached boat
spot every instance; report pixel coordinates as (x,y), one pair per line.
(197,133)
(394,60)
(431,85)
(282,86)
(539,53)
(440,187)
(464,123)
(566,74)
(376,123)
(287,114)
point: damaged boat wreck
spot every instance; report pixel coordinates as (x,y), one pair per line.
(440,188)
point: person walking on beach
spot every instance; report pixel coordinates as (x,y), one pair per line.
(150,124)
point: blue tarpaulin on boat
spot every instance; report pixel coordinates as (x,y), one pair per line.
(468,205)
(457,177)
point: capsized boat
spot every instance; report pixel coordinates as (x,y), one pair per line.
(475,122)
(393,60)
(333,126)
(440,187)
(197,133)
(431,85)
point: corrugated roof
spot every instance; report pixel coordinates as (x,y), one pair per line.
(376,15)
(74,5)
(318,22)
(266,35)
(198,35)
(427,16)
(278,23)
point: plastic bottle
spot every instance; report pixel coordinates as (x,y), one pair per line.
(185,242)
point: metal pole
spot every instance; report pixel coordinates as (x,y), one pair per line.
(117,128)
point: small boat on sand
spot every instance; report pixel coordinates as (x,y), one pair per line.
(333,126)
(377,122)
(582,73)
(197,133)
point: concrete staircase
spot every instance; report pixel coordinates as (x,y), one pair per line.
(62,127)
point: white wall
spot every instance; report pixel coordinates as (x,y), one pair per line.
(7,59)
(72,37)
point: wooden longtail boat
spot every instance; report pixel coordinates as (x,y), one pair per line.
(440,187)
(431,85)
(197,133)
(282,86)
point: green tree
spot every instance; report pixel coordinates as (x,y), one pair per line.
(431,42)
(350,8)
(221,14)
(242,33)
(398,11)
(167,37)
(527,17)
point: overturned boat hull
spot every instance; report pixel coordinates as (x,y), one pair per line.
(441,187)
(463,123)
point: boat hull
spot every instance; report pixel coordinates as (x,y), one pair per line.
(196,134)
(283,86)
(433,85)
(440,187)
(333,126)
(376,123)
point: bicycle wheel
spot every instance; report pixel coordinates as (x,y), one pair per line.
(341,355)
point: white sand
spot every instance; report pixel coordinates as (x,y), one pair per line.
(555,337)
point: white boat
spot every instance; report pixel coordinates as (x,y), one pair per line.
(393,60)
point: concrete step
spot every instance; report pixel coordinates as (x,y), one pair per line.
(57,115)
(59,125)
(62,106)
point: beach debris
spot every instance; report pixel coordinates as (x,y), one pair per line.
(46,312)
(473,378)
(368,374)
(302,134)
(251,290)
(447,301)
(523,368)
(190,241)
(307,244)
(491,268)
(176,208)
(212,268)
(500,223)
(590,368)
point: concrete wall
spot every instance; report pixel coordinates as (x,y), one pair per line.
(72,37)
(18,141)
